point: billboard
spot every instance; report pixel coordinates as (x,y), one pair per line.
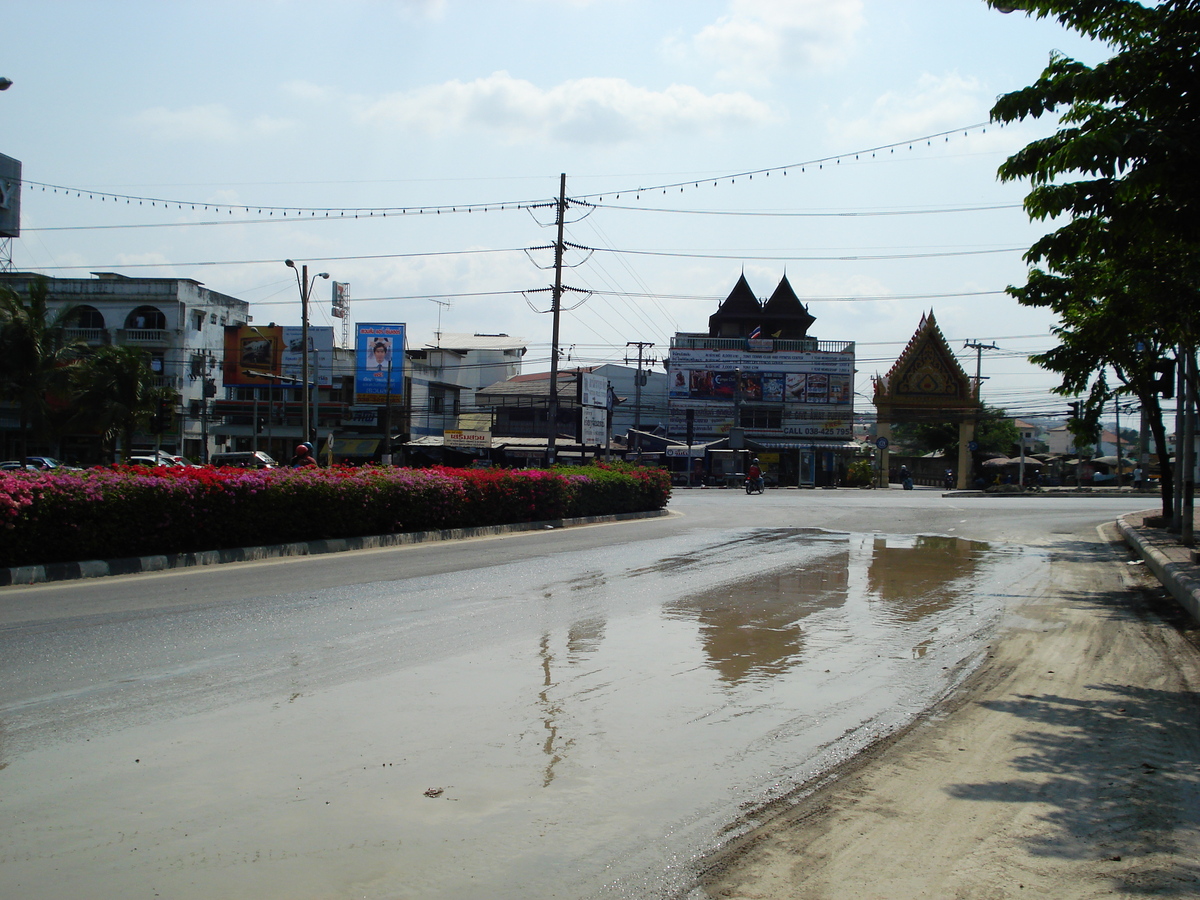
(10,197)
(341,300)
(806,394)
(256,356)
(379,363)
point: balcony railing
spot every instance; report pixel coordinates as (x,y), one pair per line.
(147,335)
(87,335)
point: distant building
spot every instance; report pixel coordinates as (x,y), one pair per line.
(445,376)
(758,380)
(177,321)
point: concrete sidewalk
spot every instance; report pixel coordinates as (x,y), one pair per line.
(1172,563)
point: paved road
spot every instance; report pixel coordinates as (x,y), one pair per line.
(574,711)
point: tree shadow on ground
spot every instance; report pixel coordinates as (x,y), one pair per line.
(1118,779)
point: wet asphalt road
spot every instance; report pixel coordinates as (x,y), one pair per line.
(568,713)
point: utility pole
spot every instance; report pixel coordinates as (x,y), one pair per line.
(979,348)
(556,305)
(637,386)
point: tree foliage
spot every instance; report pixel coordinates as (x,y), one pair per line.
(116,393)
(35,354)
(994,433)
(1122,274)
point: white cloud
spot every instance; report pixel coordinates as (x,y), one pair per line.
(211,122)
(933,104)
(760,38)
(605,110)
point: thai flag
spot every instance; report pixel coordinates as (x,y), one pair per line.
(756,333)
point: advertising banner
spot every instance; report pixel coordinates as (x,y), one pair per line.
(810,393)
(593,426)
(473,440)
(593,390)
(10,197)
(379,370)
(273,355)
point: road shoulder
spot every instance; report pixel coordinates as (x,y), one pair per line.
(1066,766)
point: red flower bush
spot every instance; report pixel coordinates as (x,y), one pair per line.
(125,511)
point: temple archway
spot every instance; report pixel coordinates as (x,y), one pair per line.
(927,384)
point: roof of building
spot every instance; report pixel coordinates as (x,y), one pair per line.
(449,340)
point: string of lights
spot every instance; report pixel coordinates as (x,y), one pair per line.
(297,212)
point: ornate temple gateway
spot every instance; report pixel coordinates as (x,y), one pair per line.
(926,384)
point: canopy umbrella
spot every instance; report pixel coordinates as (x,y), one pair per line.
(1112,461)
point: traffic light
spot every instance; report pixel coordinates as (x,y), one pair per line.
(1074,409)
(1164,378)
(160,421)
(259,424)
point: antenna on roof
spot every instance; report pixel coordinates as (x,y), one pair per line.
(441,304)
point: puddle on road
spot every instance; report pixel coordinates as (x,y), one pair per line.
(754,626)
(591,730)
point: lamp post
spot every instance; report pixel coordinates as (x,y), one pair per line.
(305,289)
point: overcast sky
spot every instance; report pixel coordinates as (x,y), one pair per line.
(294,120)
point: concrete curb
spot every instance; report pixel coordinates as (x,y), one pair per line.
(99,568)
(1170,561)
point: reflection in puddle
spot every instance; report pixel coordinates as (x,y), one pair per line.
(920,576)
(583,638)
(752,627)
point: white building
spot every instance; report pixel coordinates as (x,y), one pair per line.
(177,321)
(443,377)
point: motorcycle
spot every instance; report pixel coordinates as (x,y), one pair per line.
(754,486)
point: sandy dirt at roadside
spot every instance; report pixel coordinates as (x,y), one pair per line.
(1067,766)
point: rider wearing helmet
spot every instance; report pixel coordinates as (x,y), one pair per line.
(302,458)
(754,473)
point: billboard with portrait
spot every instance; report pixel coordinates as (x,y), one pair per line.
(379,363)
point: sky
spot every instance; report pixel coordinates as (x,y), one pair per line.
(414,150)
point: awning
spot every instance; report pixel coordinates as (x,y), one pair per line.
(803,444)
(354,446)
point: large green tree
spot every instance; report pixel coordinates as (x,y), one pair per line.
(116,394)
(994,433)
(1123,272)
(35,356)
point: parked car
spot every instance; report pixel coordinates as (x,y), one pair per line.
(152,461)
(15,465)
(249,459)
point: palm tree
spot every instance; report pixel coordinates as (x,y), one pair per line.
(116,394)
(34,357)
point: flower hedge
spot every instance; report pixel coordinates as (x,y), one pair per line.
(125,511)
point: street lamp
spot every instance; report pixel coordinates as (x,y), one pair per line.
(302,279)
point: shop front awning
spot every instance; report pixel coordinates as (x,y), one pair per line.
(803,444)
(355,446)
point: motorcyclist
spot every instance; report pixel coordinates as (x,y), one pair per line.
(754,474)
(303,457)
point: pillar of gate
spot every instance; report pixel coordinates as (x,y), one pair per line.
(966,434)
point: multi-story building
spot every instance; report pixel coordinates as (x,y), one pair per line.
(177,321)
(758,381)
(443,378)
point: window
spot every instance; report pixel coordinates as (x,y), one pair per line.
(199,320)
(197,365)
(761,417)
(87,317)
(146,318)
